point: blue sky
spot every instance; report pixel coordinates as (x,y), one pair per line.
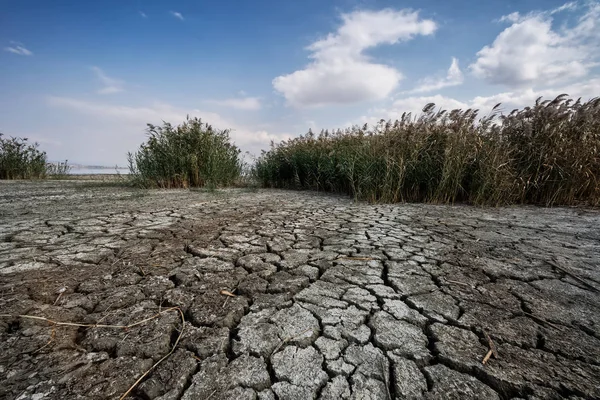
(83,78)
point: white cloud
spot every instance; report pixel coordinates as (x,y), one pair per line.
(18,48)
(143,14)
(454,77)
(244,103)
(517,17)
(132,120)
(110,85)
(412,105)
(340,72)
(509,101)
(531,52)
(142,115)
(177,15)
(570,6)
(587,90)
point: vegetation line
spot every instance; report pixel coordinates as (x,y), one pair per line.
(547,154)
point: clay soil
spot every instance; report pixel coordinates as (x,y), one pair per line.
(241,294)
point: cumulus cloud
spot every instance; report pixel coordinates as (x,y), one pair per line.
(341,73)
(110,85)
(532,52)
(18,48)
(177,15)
(242,103)
(454,77)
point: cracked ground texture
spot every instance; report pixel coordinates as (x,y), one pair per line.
(333,299)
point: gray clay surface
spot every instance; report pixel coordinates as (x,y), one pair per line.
(333,299)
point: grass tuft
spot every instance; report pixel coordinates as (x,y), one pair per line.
(21,160)
(193,154)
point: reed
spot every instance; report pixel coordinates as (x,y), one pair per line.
(546,154)
(193,154)
(21,160)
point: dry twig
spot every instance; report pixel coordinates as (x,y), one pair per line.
(554,263)
(289,339)
(458,283)
(356,258)
(492,347)
(143,321)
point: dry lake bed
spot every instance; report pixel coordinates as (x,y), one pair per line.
(237,294)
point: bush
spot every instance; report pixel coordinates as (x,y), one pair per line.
(21,160)
(546,154)
(190,155)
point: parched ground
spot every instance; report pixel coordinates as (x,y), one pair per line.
(331,299)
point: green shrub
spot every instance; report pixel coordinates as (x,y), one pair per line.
(21,160)
(545,154)
(193,154)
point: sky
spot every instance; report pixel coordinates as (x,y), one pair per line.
(83,78)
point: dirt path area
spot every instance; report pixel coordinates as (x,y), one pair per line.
(292,296)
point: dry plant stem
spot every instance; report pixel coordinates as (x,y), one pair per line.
(52,337)
(573,275)
(487,357)
(58,323)
(162,359)
(492,347)
(289,339)
(458,283)
(542,321)
(58,298)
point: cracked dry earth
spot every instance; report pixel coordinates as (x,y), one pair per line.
(333,299)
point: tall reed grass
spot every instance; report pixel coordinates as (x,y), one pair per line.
(547,154)
(21,160)
(58,170)
(193,154)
